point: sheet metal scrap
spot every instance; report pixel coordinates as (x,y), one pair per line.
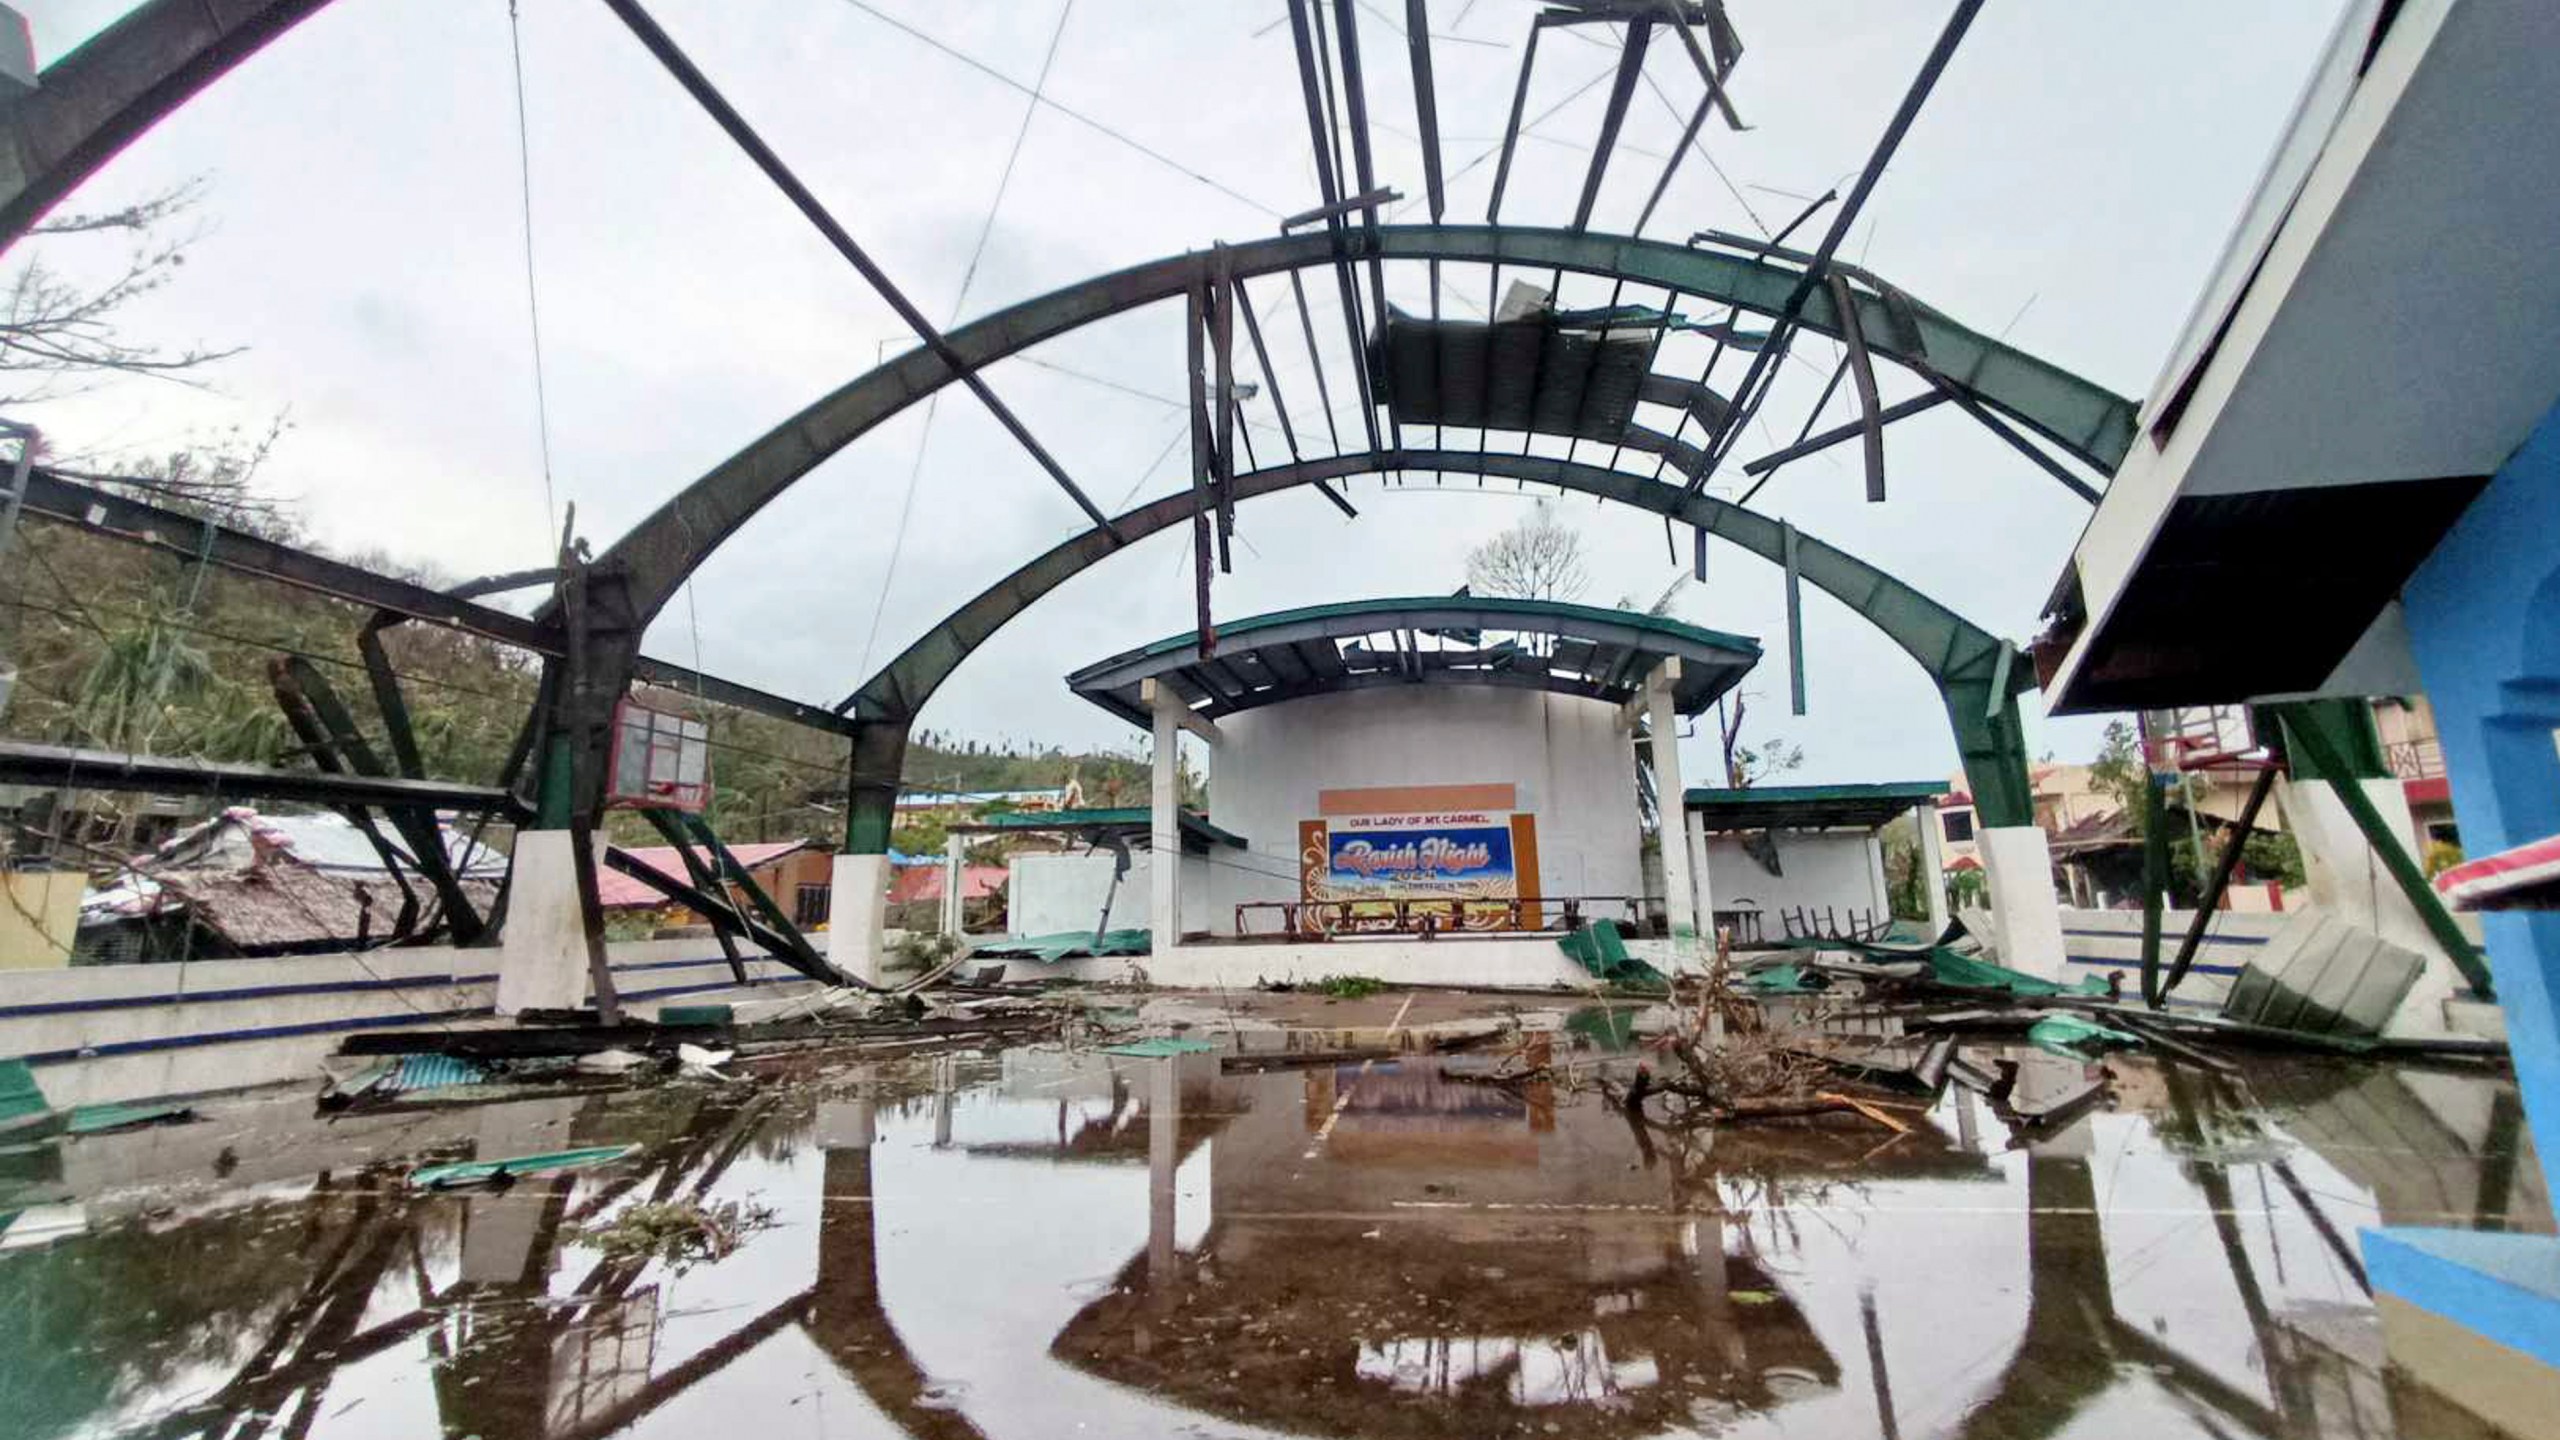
(497,1172)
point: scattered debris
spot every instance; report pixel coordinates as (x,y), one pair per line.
(107,1119)
(2077,1037)
(25,1113)
(1160,1047)
(679,1233)
(22,1100)
(1785,978)
(613,1062)
(1066,945)
(1600,949)
(1350,987)
(493,1172)
(704,1064)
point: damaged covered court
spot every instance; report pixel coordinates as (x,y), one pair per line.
(1604,1144)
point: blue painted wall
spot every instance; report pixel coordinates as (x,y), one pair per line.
(2484,621)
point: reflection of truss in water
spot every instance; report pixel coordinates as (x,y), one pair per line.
(575,1368)
(2321,1381)
(1448,1320)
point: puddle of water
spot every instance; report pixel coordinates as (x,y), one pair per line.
(1037,1243)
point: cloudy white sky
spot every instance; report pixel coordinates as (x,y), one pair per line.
(2071,183)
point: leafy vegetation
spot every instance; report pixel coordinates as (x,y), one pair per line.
(1350,987)
(2121,772)
(124,648)
(679,1233)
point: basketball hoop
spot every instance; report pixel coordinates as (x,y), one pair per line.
(661,761)
(2192,738)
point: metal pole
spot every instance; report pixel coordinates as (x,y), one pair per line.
(1927,80)
(1426,102)
(1622,90)
(2155,879)
(2211,899)
(661,45)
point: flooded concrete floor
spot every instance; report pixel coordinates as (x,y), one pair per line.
(1040,1243)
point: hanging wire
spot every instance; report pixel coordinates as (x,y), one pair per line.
(933,403)
(1038,99)
(532,294)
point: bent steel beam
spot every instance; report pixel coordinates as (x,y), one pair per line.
(2084,420)
(102,96)
(1961,657)
(122,517)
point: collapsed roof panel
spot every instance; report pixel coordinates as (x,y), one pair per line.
(1556,375)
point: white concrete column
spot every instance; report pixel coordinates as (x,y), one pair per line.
(1933,865)
(1876,885)
(1702,882)
(2346,878)
(1164,866)
(1680,900)
(858,915)
(2026,914)
(542,954)
(954,852)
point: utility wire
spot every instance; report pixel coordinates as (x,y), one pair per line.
(1078,116)
(933,403)
(1004,181)
(1585,88)
(532,295)
(1698,145)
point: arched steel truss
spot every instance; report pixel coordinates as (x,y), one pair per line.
(110,90)
(2082,419)
(1975,671)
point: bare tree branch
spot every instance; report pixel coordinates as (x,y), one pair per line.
(59,336)
(1537,559)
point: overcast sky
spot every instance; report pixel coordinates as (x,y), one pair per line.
(2070,184)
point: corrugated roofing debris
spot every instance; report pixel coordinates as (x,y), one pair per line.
(1066,945)
(282,903)
(263,882)
(1535,373)
(617,891)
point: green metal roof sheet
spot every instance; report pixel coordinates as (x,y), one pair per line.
(1584,650)
(1761,807)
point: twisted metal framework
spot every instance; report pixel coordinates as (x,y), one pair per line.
(100,97)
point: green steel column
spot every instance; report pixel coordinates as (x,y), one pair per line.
(1795,617)
(553,806)
(2335,741)
(1991,740)
(2326,739)
(871,802)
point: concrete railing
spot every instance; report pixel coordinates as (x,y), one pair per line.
(2097,941)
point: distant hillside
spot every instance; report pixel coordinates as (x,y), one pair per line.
(940,761)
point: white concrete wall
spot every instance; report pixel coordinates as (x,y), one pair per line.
(103,1033)
(1820,868)
(1573,766)
(1047,894)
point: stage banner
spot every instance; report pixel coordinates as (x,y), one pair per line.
(1471,865)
